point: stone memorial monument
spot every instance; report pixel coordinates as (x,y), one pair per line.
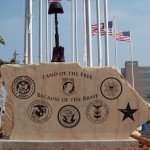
(64,101)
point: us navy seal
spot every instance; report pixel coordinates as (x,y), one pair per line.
(97,111)
(39,111)
(23,87)
(68,116)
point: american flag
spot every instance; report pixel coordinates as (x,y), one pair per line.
(94,28)
(123,36)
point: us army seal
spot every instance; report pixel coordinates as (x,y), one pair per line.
(68,116)
(97,111)
(111,88)
(23,87)
(39,111)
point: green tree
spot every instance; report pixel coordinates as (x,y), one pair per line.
(2,40)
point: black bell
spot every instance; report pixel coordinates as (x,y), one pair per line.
(55,7)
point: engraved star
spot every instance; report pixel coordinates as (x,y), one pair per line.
(128,112)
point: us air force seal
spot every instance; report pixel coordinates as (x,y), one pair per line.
(68,86)
(97,111)
(39,111)
(111,88)
(68,116)
(23,87)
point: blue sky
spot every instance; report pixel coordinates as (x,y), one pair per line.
(129,14)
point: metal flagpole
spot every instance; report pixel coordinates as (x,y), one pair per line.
(88,32)
(30,60)
(116,59)
(73,27)
(51,36)
(47,58)
(131,53)
(84,29)
(99,33)
(106,33)
(40,31)
(76,31)
(26,34)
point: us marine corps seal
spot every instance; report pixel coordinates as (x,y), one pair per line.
(23,87)
(97,111)
(39,111)
(68,116)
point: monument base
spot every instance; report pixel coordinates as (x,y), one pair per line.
(69,144)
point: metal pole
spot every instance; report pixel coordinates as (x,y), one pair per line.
(76,31)
(30,60)
(40,31)
(51,36)
(56,32)
(116,59)
(132,69)
(26,34)
(73,28)
(47,31)
(88,32)
(99,33)
(84,29)
(106,33)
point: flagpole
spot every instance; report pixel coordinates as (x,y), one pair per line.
(88,32)
(84,29)
(73,28)
(116,51)
(30,60)
(40,31)
(131,53)
(76,31)
(47,58)
(26,34)
(99,33)
(106,33)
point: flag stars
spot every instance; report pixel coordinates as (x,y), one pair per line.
(128,112)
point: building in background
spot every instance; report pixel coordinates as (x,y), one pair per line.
(141,78)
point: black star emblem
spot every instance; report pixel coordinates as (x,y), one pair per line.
(128,112)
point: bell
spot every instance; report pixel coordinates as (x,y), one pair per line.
(55,7)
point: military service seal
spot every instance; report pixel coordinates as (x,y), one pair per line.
(68,116)
(39,111)
(23,87)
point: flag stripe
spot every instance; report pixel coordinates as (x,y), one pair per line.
(123,36)
(94,29)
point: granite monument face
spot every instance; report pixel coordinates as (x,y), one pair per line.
(64,101)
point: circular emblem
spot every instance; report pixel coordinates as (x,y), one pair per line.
(97,111)
(23,87)
(39,111)
(68,116)
(111,88)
